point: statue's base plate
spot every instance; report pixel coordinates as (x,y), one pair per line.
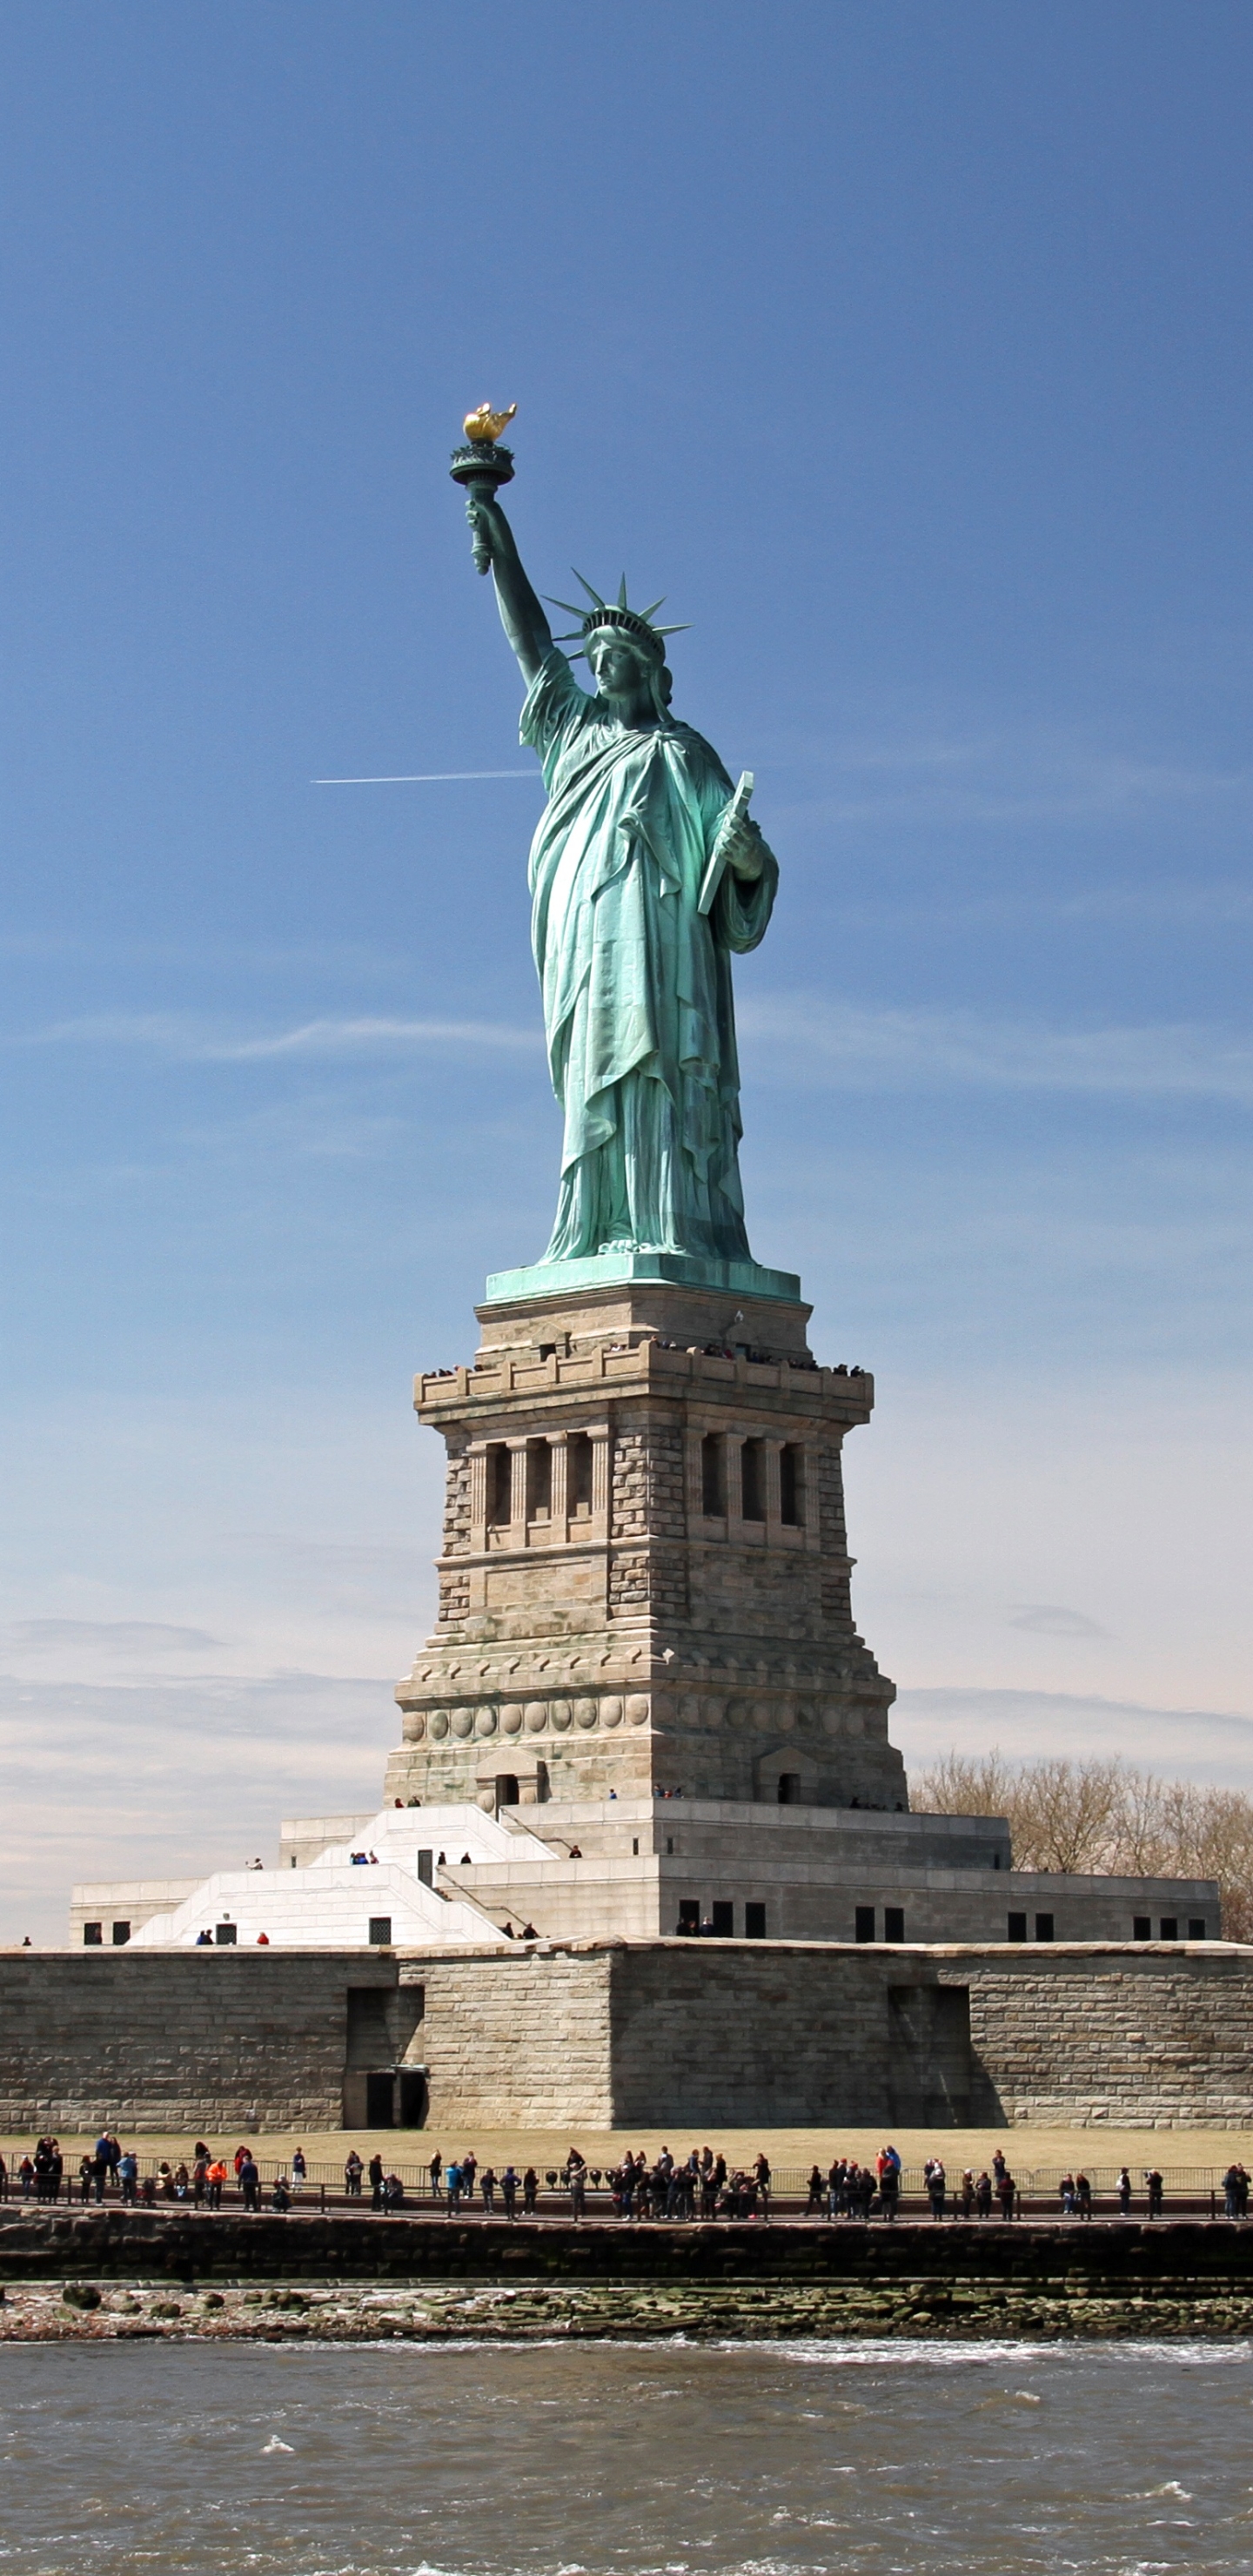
(618,1269)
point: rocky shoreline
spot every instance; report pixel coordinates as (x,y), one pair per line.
(1060,2310)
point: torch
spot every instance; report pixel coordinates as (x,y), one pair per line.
(481,466)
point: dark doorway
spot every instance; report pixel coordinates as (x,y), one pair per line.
(689,1914)
(754,1922)
(722,1916)
(412,2089)
(789,1486)
(506,1786)
(380,2090)
(713,1476)
(789,1788)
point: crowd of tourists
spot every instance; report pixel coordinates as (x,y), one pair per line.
(700,2185)
(110,2168)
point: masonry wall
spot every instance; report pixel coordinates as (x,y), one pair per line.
(517,2041)
(178,2039)
(692,2035)
(1152,2036)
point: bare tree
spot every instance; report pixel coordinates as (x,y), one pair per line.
(1099,1816)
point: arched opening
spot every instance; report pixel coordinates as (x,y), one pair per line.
(506,1787)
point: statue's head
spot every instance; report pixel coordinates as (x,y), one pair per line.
(626,671)
(625,651)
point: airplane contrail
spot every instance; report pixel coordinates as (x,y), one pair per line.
(424,778)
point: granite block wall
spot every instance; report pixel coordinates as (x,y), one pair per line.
(178,2039)
(689,2035)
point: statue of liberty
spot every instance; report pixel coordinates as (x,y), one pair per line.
(646,875)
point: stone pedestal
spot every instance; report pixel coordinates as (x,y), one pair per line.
(644,1582)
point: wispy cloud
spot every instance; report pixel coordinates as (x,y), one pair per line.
(1004,775)
(862,1049)
(1050,1619)
(116,1636)
(1180,1743)
(169,1034)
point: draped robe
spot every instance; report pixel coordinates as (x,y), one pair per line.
(636,982)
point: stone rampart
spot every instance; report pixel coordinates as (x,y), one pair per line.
(602,2034)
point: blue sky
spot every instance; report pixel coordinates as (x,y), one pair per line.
(907,350)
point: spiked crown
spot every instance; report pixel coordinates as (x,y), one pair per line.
(635,622)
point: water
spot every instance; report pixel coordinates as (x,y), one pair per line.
(678,2460)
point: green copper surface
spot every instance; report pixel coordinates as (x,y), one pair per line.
(616,1269)
(635,976)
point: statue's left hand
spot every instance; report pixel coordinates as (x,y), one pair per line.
(746,850)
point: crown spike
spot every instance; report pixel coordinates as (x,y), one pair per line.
(570,606)
(653,607)
(622,597)
(593,595)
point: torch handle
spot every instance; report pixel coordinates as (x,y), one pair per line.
(482,488)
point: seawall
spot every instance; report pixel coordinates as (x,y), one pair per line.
(120,2273)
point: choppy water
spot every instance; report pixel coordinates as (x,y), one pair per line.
(679,2460)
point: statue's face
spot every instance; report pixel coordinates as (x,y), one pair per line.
(618,667)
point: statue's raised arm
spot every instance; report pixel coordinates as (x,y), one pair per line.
(647,875)
(521,615)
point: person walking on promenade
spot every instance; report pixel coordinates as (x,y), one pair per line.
(199,2177)
(983,2195)
(86,2170)
(509,2194)
(578,2191)
(1066,2195)
(998,2167)
(299,2171)
(250,2182)
(765,2181)
(375,2170)
(487,2186)
(937,2185)
(530,2191)
(452,2183)
(966,2196)
(353,2170)
(1083,2195)
(1231,2192)
(817,2193)
(469,2168)
(1156,2197)
(437,2174)
(1124,2193)
(1006,2191)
